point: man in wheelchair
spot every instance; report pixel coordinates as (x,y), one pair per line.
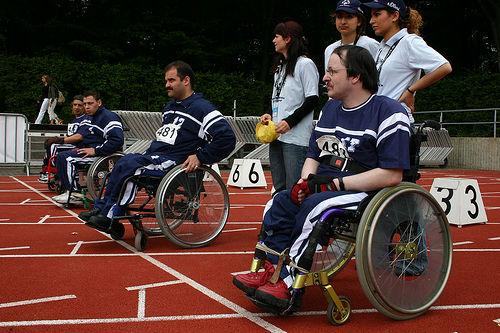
(58,143)
(194,132)
(100,135)
(359,145)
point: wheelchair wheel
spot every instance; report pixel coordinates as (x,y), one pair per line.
(333,256)
(98,171)
(403,251)
(335,317)
(192,208)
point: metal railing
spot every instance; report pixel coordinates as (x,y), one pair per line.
(445,113)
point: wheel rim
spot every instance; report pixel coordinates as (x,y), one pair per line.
(98,171)
(407,253)
(333,256)
(192,209)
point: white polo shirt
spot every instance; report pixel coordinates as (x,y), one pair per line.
(364,41)
(404,64)
(296,88)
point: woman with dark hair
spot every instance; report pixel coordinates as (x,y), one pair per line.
(350,23)
(295,95)
(403,54)
(48,101)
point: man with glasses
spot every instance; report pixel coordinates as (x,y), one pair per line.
(100,135)
(360,144)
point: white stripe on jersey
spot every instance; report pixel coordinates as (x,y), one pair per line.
(346,131)
(187,115)
(392,120)
(111,125)
(395,129)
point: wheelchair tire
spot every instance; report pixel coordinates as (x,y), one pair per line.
(96,175)
(335,317)
(192,208)
(403,251)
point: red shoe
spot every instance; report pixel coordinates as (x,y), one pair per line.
(251,281)
(274,294)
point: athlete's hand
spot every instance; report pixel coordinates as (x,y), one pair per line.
(54,140)
(191,163)
(299,192)
(86,152)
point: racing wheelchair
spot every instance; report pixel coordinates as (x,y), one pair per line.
(189,209)
(402,244)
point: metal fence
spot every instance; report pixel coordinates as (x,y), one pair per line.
(445,117)
(13,128)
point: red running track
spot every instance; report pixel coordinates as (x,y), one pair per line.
(57,275)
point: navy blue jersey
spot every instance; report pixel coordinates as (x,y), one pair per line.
(103,131)
(193,126)
(374,134)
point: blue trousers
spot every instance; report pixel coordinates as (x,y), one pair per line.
(287,225)
(129,165)
(66,163)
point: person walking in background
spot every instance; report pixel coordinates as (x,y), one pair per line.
(350,22)
(403,54)
(48,101)
(295,95)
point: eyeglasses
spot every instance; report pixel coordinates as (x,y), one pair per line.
(332,71)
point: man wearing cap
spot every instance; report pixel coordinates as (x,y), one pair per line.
(403,55)
(351,23)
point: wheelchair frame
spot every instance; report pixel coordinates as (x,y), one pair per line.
(402,268)
(170,216)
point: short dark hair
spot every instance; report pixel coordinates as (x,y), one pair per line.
(93,93)
(78,97)
(359,62)
(183,70)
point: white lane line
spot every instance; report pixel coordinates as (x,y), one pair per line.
(238,230)
(154,285)
(164,254)
(14,248)
(3,220)
(206,291)
(31,204)
(52,202)
(141,304)
(463,243)
(125,254)
(93,242)
(491,208)
(497,321)
(215,316)
(36,300)
(25,201)
(49,223)
(76,248)
(43,219)
(494,238)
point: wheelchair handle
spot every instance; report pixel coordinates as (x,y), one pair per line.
(430,123)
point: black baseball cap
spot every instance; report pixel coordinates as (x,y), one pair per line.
(397,5)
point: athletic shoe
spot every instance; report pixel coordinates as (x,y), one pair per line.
(43,178)
(85,216)
(251,281)
(99,222)
(73,200)
(61,197)
(274,294)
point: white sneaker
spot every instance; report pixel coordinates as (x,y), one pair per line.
(77,195)
(61,197)
(43,178)
(78,201)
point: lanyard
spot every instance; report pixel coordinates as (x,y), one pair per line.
(391,49)
(280,80)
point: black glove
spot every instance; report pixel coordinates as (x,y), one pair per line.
(54,140)
(317,183)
